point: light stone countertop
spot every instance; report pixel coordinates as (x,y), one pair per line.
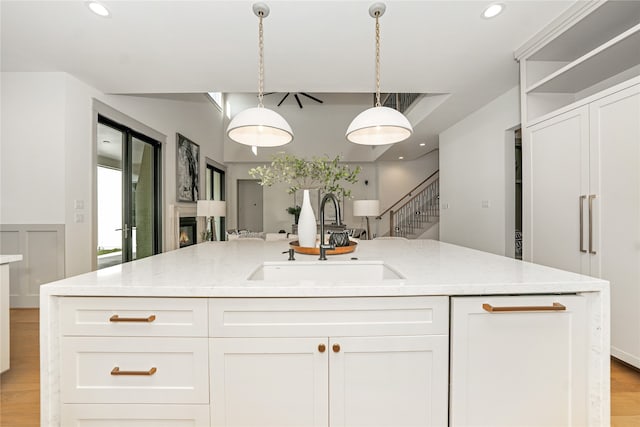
(6,259)
(221,269)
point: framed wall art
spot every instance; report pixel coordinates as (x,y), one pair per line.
(187,169)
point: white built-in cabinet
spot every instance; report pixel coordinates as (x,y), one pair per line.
(519,361)
(556,190)
(340,362)
(580,110)
(254,361)
(615,131)
(582,202)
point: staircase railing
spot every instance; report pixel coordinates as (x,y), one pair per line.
(415,213)
(410,193)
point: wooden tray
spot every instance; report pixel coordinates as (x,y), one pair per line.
(316,251)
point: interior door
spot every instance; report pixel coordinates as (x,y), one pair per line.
(250,205)
(556,178)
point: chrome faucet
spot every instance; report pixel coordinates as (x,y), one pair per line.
(336,205)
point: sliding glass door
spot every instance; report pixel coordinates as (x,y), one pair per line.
(129,222)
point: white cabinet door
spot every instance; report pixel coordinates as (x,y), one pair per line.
(269,382)
(615,140)
(519,368)
(388,381)
(556,175)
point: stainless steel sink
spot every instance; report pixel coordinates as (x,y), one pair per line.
(326,271)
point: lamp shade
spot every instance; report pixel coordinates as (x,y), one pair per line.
(379,126)
(260,127)
(366,207)
(217,208)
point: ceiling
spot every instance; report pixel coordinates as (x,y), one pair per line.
(171,47)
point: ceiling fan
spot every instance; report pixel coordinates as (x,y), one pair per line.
(295,95)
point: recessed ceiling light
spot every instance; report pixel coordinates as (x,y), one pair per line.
(98,8)
(401,158)
(422,144)
(493,10)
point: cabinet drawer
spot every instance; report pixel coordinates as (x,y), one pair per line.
(105,316)
(89,415)
(304,317)
(134,370)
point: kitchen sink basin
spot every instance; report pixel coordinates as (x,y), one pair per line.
(326,271)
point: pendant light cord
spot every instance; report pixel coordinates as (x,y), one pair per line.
(377,60)
(260,63)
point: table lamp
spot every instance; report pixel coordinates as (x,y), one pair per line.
(211,209)
(366,208)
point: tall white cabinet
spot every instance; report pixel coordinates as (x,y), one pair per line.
(580,105)
(583,203)
(615,133)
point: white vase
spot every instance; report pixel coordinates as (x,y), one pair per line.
(307,223)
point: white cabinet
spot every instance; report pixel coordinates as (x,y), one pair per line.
(582,202)
(615,130)
(556,186)
(388,381)
(519,361)
(345,362)
(134,361)
(270,382)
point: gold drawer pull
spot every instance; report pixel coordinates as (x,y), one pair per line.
(117,371)
(117,318)
(556,306)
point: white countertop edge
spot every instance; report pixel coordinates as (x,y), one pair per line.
(6,259)
(327,290)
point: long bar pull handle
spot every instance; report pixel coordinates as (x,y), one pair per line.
(556,306)
(117,318)
(117,371)
(591,197)
(581,201)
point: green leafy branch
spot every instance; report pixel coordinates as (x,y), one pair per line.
(324,173)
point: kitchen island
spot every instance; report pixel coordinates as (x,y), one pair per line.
(396,333)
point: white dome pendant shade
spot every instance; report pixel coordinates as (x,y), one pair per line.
(379,126)
(260,127)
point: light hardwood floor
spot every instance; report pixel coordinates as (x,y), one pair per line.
(20,399)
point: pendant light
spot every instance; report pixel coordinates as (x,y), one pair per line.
(259,126)
(379,125)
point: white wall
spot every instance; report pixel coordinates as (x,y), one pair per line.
(474,167)
(47,119)
(32,149)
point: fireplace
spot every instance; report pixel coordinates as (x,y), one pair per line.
(188,231)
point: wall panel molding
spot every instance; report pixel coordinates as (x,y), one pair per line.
(43,253)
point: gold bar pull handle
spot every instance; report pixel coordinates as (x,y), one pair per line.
(591,197)
(581,201)
(117,318)
(117,371)
(556,306)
